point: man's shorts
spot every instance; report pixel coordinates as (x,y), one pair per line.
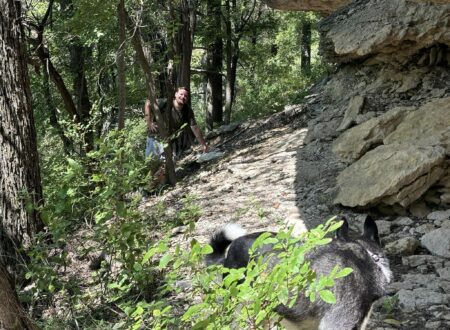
(154,148)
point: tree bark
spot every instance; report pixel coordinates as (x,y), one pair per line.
(229,54)
(214,66)
(12,315)
(20,185)
(306,46)
(183,45)
(162,124)
(80,86)
(121,64)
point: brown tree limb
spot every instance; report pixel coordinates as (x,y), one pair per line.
(162,124)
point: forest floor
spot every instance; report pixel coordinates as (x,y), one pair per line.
(269,177)
(255,183)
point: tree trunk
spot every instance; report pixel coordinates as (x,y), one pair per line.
(20,182)
(214,66)
(53,116)
(12,315)
(162,124)
(306,47)
(183,46)
(83,104)
(229,52)
(121,64)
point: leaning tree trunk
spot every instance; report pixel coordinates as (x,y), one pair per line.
(20,186)
(162,124)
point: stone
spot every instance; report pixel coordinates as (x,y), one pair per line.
(444,273)
(409,193)
(355,142)
(445,199)
(439,215)
(403,246)
(419,209)
(389,171)
(417,260)
(384,227)
(353,110)
(386,30)
(403,221)
(321,6)
(425,228)
(420,298)
(438,242)
(425,126)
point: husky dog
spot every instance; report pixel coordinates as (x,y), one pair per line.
(354,293)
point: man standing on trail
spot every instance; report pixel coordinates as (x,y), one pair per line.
(181,116)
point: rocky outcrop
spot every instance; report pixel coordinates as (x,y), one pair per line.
(320,6)
(427,125)
(390,121)
(389,174)
(387,31)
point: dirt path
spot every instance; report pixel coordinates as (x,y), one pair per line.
(253,184)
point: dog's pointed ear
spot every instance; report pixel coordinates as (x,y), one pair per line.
(371,230)
(342,232)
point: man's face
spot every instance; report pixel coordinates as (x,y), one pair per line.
(182,96)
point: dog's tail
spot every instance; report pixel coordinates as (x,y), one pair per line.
(220,242)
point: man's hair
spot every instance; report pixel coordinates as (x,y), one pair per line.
(185,88)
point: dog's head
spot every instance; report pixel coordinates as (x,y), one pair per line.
(370,241)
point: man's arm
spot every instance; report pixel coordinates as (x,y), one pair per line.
(199,136)
(149,117)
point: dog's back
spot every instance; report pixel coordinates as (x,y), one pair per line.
(354,293)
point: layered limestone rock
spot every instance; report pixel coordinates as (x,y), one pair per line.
(408,156)
(395,173)
(387,31)
(427,125)
(320,6)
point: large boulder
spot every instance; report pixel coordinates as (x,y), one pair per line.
(408,155)
(397,173)
(427,125)
(355,142)
(387,31)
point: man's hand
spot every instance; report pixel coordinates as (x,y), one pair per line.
(152,127)
(205,148)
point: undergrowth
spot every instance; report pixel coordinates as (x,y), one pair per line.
(104,264)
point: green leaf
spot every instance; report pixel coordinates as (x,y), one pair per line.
(137,267)
(335,226)
(327,296)
(344,272)
(206,249)
(323,241)
(261,316)
(164,261)
(150,253)
(138,312)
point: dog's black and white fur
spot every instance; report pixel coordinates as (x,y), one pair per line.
(354,293)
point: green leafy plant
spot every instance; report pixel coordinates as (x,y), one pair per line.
(245,298)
